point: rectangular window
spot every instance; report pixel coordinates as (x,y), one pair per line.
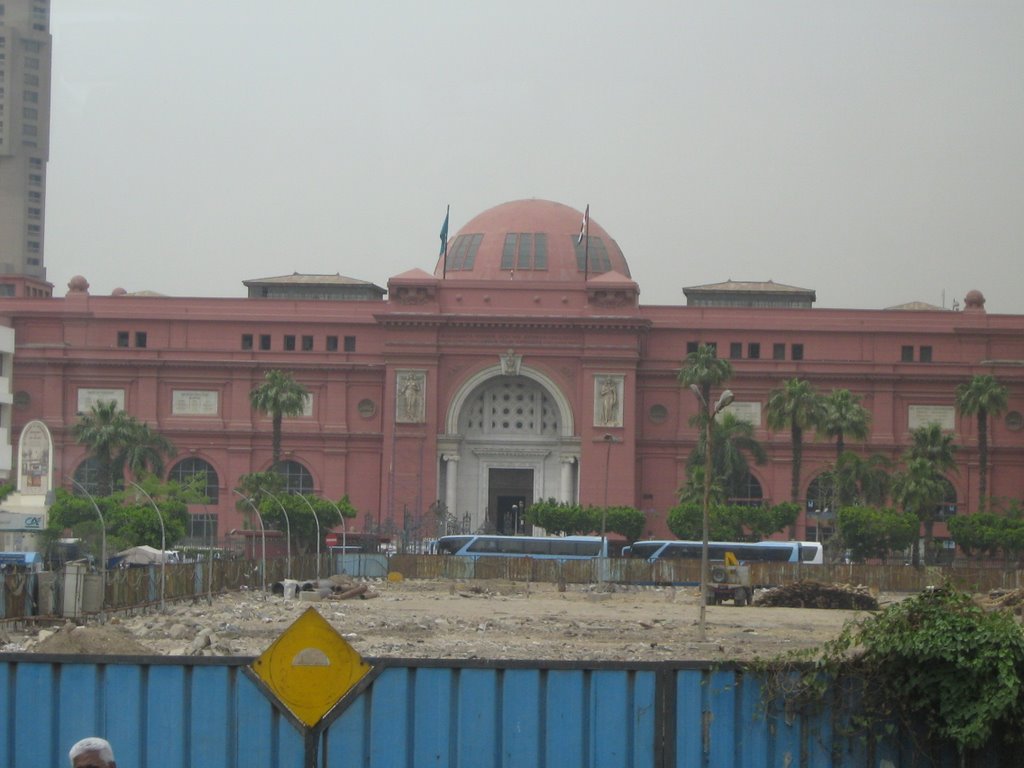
(307,343)
(29,113)
(31,62)
(122,338)
(32,80)
(907,353)
(778,353)
(350,344)
(33,246)
(35,196)
(265,341)
(35,178)
(736,350)
(35,162)
(796,352)
(692,346)
(30,97)
(140,340)
(925,356)
(714,347)
(289,343)
(247,344)
(332,343)
(35,213)
(754,353)
(35,230)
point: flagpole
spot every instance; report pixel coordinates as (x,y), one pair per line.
(444,268)
(586,245)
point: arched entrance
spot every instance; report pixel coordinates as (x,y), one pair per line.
(509,442)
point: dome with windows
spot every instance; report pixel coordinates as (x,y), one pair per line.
(531,239)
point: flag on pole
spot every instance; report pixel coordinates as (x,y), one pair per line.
(444,232)
(584,225)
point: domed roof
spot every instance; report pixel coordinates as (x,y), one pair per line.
(533,240)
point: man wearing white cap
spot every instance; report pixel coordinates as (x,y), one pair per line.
(92,752)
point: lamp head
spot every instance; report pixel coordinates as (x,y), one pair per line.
(724,400)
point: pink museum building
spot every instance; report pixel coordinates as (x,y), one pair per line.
(524,368)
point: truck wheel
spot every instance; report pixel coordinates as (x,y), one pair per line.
(740,597)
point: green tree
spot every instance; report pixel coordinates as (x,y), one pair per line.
(278,396)
(794,406)
(301,522)
(730,522)
(115,441)
(557,517)
(843,416)
(703,369)
(918,489)
(983,397)
(856,480)
(732,439)
(129,518)
(627,521)
(869,532)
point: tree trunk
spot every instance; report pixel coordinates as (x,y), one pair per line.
(982,460)
(275,447)
(840,446)
(797,435)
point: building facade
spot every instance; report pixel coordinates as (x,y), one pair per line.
(524,368)
(25,51)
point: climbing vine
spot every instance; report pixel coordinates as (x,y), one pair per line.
(937,661)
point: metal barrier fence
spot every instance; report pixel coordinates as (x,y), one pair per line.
(215,713)
(24,595)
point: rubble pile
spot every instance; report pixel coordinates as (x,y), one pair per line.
(813,594)
(1005,599)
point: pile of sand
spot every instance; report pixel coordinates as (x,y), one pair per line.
(107,640)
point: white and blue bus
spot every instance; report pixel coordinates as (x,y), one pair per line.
(746,552)
(544,547)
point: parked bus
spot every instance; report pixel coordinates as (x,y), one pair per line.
(547,547)
(809,552)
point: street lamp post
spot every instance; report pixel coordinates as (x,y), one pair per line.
(103,540)
(263,537)
(317,520)
(709,413)
(288,534)
(163,544)
(608,440)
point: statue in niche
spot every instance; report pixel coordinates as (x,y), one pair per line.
(609,401)
(410,394)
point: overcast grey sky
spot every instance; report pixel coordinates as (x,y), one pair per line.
(872,150)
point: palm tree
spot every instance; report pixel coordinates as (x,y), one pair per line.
(278,396)
(732,439)
(116,441)
(843,416)
(145,450)
(103,431)
(703,369)
(861,480)
(931,443)
(982,396)
(919,489)
(797,407)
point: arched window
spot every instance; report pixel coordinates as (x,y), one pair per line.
(947,507)
(819,496)
(296,477)
(748,493)
(87,476)
(186,469)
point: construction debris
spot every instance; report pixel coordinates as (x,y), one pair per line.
(813,594)
(1005,599)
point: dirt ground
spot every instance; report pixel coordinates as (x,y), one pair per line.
(462,620)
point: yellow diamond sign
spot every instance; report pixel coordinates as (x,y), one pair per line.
(310,667)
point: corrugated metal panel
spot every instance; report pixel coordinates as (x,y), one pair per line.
(209,713)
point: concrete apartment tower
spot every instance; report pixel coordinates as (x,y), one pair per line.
(25,49)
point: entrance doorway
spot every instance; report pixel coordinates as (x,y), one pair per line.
(509,493)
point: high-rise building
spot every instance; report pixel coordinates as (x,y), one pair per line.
(25,49)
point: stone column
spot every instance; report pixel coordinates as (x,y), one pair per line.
(565,491)
(451,483)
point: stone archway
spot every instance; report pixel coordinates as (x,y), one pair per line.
(509,442)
